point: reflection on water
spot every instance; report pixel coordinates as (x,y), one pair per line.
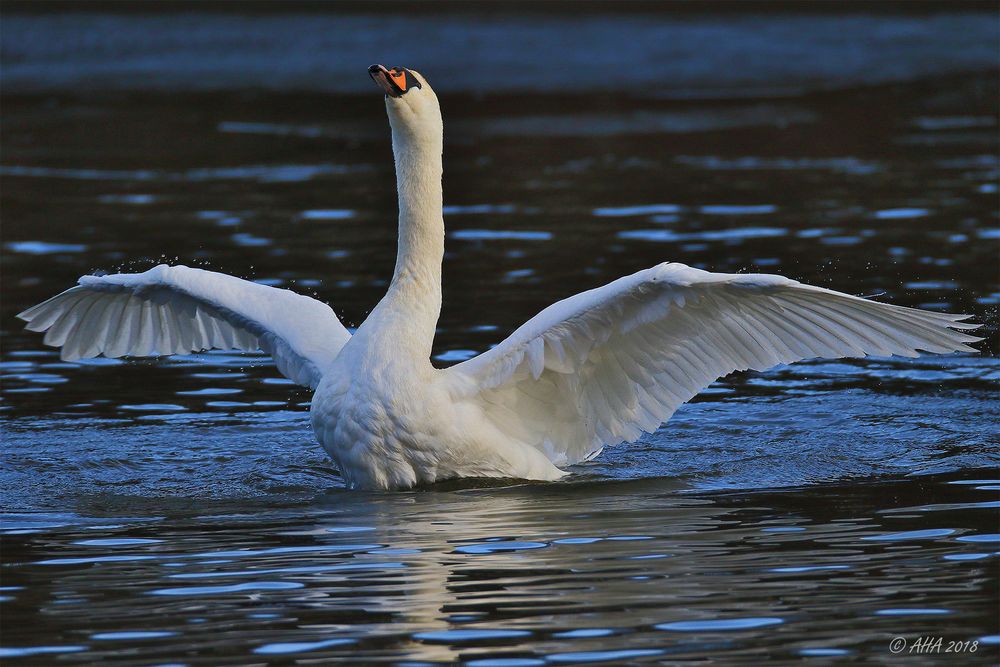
(178,511)
(559,573)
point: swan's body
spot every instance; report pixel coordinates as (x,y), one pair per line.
(596,369)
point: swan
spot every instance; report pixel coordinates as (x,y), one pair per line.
(596,369)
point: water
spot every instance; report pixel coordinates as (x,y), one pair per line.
(535,572)
(178,511)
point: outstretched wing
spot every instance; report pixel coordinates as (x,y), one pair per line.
(605,365)
(177,310)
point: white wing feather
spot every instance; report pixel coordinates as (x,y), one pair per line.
(177,310)
(606,365)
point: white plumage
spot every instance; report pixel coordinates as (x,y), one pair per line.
(596,369)
(178,310)
(606,365)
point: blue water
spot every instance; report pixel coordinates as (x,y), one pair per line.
(643,53)
(178,511)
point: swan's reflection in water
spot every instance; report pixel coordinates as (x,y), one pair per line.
(565,572)
(487,568)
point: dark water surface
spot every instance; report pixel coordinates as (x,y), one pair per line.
(178,511)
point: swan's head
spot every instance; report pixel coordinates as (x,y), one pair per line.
(411,104)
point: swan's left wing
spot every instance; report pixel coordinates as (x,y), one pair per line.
(178,310)
(605,365)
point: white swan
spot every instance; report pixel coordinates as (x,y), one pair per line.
(596,369)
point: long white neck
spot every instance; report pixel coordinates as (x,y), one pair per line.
(421,221)
(406,318)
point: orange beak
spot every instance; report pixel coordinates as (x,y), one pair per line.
(395,82)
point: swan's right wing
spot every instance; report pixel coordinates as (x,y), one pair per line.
(178,310)
(605,365)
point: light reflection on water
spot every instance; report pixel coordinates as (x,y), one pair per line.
(532,571)
(814,510)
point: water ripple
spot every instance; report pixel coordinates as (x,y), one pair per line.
(720,625)
(602,656)
(498,547)
(449,636)
(912,612)
(233,588)
(282,648)
(132,635)
(24,651)
(931,533)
